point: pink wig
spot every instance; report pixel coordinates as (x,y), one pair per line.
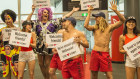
(40,12)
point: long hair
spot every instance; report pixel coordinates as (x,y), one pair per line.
(9,12)
(40,12)
(102,24)
(135,31)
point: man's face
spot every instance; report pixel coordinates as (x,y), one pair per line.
(65,24)
(97,20)
(7,50)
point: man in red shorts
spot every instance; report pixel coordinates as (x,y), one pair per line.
(102,31)
(73,67)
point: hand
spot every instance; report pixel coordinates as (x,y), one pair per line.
(113,5)
(1,36)
(75,9)
(46,45)
(33,8)
(16,66)
(77,39)
(90,8)
(54,50)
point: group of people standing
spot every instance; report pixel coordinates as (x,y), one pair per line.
(49,60)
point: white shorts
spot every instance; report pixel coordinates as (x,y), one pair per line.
(134,64)
(26,56)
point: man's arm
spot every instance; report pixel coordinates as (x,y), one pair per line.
(121,17)
(121,43)
(70,13)
(30,15)
(86,25)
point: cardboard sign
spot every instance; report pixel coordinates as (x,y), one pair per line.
(86,3)
(133,48)
(20,38)
(7,33)
(68,49)
(41,3)
(53,39)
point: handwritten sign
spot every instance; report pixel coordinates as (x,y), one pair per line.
(41,3)
(68,49)
(133,48)
(53,39)
(20,38)
(7,33)
(86,3)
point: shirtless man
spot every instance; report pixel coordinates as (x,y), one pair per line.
(73,67)
(102,32)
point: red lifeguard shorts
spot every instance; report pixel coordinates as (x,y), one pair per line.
(100,61)
(56,62)
(73,68)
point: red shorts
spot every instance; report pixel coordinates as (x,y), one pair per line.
(73,68)
(56,62)
(100,60)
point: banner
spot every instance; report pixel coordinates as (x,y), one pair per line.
(86,3)
(20,38)
(41,3)
(7,33)
(133,48)
(68,49)
(53,39)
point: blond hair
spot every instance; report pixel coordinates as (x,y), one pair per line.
(102,24)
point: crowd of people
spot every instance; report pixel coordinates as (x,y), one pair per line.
(15,57)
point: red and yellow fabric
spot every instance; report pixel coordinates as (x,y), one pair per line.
(9,63)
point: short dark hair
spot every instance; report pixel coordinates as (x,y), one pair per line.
(9,12)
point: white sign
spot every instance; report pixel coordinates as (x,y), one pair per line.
(53,39)
(68,49)
(7,33)
(86,3)
(41,3)
(20,38)
(133,48)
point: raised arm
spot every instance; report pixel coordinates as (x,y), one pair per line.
(30,15)
(71,12)
(121,17)
(86,25)
(33,45)
(121,43)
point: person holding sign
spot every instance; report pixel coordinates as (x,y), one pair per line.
(26,53)
(46,25)
(129,33)
(8,51)
(73,67)
(102,31)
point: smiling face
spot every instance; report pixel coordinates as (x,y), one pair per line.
(7,50)
(8,20)
(65,24)
(97,19)
(131,24)
(28,28)
(45,14)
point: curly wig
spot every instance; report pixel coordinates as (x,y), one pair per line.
(40,12)
(9,12)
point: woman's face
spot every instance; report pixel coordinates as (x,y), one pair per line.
(28,28)
(131,24)
(45,14)
(8,20)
